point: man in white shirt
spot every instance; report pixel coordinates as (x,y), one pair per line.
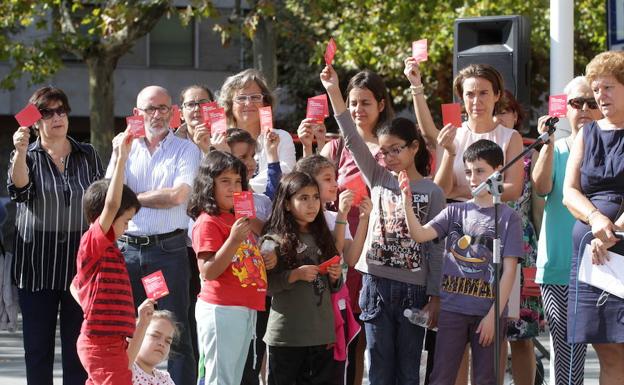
(161,169)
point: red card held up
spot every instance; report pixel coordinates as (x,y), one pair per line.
(419,50)
(136,126)
(332,261)
(28,116)
(557,105)
(244,205)
(317,107)
(218,121)
(155,285)
(330,52)
(357,185)
(205,111)
(175,120)
(451,113)
(266,119)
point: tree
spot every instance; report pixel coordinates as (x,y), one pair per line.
(97,32)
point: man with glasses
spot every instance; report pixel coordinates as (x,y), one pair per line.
(161,169)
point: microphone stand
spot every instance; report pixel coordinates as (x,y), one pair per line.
(494,185)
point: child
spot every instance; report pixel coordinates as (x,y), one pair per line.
(150,346)
(231,267)
(398,272)
(102,285)
(301,320)
(324,172)
(467,308)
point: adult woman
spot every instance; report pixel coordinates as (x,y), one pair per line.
(370,106)
(521,330)
(194,128)
(593,191)
(480,87)
(241,96)
(47,180)
(555,240)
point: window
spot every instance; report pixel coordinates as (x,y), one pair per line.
(171,44)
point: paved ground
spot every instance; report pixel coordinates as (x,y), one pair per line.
(12,369)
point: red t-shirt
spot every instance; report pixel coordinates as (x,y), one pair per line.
(103,285)
(244,282)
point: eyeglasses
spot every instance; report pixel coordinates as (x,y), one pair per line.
(394,151)
(244,99)
(151,110)
(191,105)
(578,103)
(48,113)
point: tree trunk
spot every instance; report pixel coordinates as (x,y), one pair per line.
(264,52)
(102,103)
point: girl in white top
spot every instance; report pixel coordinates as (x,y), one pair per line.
(480,87)
(241,96)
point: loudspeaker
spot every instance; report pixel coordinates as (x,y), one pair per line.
(500,41)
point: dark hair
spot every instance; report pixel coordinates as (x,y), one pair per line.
(196,86)
(238,135)
(283,224)
(203,195)
(406,130)
(487,150)
(484,71)
(509,103)
(94,198)
(313,164)
(374,83)
(48,94)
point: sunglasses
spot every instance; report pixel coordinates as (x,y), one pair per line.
(578,103)
(48,113)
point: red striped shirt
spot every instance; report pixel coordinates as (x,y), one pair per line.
(103,285)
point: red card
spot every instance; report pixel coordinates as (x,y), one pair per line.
(205,111)
(155,285)
(218,121)
(266,119)
(330,52)
(317,108)
(451,113)
(28,116)
(244,204)
(333,261)
(357,185)
(136,126)
(419,50)
(175,120)
(404,181)
(529,287)
(557,105)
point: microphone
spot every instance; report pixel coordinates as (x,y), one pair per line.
(550,124)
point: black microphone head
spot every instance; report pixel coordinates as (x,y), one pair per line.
(552,121)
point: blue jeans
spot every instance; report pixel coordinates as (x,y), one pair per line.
(39,313)
(170,256)
(393,343)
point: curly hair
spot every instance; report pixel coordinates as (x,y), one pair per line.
(283,224)
(610,63)
(237,82)
(203,194)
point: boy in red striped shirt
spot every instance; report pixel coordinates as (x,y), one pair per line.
(102,285)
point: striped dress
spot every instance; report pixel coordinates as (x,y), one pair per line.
(49,220)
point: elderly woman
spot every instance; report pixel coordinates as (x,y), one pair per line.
(47,179)
(593,191)
(241,96)
(555,240)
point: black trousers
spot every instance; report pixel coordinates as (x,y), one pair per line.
(310,365)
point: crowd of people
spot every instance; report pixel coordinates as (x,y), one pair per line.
(344,244)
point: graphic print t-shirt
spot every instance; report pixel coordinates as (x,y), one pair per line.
(244,281)
(468,270)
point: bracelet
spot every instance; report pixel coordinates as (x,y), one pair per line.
(341,223)
(417,90)
(591,214)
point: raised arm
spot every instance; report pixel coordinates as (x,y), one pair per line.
(115,189)
(418,232)
(423,116)
(354,248)
(19,168)
(542,173)
(445,177)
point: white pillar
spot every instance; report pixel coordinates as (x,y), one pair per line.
(561,52)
